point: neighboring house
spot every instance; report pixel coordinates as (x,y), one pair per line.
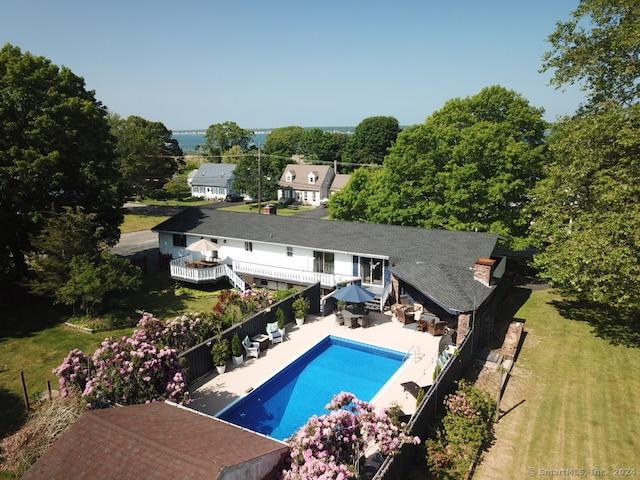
(213,181)
(308,184)
(156,441)
(339,182)
(451,272)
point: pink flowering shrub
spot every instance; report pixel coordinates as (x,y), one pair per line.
(233,307)
(180,333)
(462,432)
(73,372)
(124,371)
(128,371)
(254,300)
(328,447)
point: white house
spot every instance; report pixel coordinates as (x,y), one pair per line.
(213,181)
(452,271)
(307,184)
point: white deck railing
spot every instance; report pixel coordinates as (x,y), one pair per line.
(327,280)
(180,271)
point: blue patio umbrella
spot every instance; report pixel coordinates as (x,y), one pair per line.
(353,294)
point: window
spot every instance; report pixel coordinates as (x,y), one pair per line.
(323,262)
(179,240)
(371,270)
(313,196)
(289,251)
(248,246)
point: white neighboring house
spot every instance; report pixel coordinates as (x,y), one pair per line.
(213,181)
(307,184)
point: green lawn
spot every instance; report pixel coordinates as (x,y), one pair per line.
(281,210)
(573,401)
(135,223)
(35,340)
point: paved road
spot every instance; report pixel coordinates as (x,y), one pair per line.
(135,242)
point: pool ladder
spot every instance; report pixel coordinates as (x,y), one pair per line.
(415,351)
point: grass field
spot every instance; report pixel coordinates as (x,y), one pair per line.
(137,223)
(253,208)
(35,340)
(573,401)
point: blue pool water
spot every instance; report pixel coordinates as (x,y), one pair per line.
(281,405)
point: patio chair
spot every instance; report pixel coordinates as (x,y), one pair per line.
(437,327)
(275,334)
(339,318)
(364,320)
(404,316)
(251,348)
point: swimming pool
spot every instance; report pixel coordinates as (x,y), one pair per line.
(281,405)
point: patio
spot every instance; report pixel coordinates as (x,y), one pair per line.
(215,392)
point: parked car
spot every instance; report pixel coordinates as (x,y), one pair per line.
(234,197)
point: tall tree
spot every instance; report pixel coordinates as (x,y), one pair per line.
(284,141)
(587,209)
(56,150)
(220,137)
(586,214)
(371,140)
(357,200)
(469,166)
(147,152)
(72,263)
(259,172)
(600,49)
(320,146)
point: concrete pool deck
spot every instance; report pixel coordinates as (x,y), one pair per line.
(215,392)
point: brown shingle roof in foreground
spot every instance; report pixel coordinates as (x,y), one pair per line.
(156,441)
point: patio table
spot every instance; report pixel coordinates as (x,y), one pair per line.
(350,318)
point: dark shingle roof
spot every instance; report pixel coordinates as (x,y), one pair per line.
(154,441)
(213,174)
(437,262)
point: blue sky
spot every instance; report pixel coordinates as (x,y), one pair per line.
(277,63)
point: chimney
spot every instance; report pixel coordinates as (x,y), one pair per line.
(483,270)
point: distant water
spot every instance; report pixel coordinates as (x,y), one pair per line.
(189,139)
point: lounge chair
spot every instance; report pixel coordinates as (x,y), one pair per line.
(275,334)
(414,389)
(251,348)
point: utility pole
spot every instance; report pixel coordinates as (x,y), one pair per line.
(259,182)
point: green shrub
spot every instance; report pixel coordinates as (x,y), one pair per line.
(459,437)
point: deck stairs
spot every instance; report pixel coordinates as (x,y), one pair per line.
(379,301)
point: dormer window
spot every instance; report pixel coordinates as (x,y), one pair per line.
(290,176)
(313,177)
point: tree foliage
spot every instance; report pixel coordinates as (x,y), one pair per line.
(371,140)
(56,150)
(469,166)
(357,201)
(587,214)
(284,141)
(599,48)
(320,146)
(72,263)
(147,153)
(255,170)
(220,137)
